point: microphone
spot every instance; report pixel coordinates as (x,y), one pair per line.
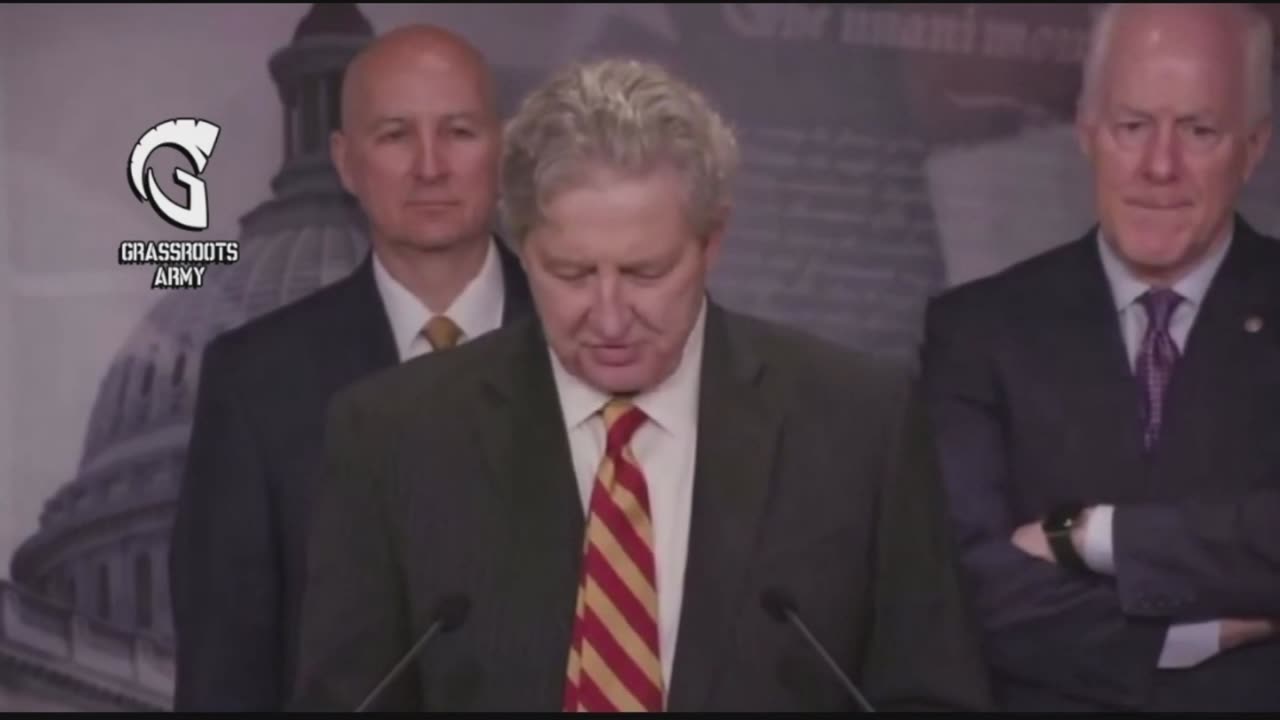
(450,612)
(782,609)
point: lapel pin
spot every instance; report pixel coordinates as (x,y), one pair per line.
(1252,324)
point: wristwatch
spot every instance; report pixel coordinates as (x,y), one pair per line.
(1057,527)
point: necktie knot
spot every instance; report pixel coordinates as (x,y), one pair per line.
(1160,304)
(442,332)
(621,420)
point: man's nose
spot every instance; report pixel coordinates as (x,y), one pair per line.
(430,163)
(609,313)
(1162,155)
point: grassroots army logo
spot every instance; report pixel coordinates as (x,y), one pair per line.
(179,264)
(195,140)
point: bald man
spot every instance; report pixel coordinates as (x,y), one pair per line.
(419,149)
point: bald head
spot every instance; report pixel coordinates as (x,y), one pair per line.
(420,140)
(430,49)
(1235,37)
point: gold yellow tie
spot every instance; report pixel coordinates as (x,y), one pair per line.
(442,332)
(614,663)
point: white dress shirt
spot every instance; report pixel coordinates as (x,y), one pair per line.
(665,446)
(476,310)
(1186,644)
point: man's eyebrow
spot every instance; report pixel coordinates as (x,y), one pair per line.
(1200,115)
(379,122)
(477,117)
(1128,110)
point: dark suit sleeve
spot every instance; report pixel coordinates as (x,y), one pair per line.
(224,578)
(354,627)
(1044,625)
(1200,559)
(925,652)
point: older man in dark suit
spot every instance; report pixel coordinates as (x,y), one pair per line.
(419,148)
(1109,411)
(616,487)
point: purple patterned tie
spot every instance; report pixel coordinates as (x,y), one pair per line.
(1156,358)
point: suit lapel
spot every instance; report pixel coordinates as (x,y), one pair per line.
(737,435)
(520,429)
(366,340)
(1083,344)
(517,301)
(1205,385)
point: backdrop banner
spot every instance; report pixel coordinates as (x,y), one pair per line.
(890,151)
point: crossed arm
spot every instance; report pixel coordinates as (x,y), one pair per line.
(1088,635)
(1187,561)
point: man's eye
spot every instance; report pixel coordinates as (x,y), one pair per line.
(648,273)
(572,274)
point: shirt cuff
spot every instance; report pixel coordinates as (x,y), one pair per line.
(1190,644)
(1097,550)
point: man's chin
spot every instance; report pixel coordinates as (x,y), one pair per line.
(625,379)
(436,239)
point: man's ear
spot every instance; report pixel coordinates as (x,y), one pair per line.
(1085,126)
(714,239)
(338,154)
(1257,143)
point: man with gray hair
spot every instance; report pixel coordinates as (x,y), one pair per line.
(1108,412)
(636,500)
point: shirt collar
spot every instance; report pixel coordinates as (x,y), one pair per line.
(477,309)
(1126,289)
(672,405)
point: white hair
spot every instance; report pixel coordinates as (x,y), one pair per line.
(616,114)
(1259,42)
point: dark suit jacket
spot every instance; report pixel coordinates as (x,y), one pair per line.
(237,550)
(1035,406)
(813,472)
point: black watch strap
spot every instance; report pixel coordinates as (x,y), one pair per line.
(1057,530)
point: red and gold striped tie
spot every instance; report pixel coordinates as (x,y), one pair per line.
(614,663)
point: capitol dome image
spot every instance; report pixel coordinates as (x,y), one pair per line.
(86,623)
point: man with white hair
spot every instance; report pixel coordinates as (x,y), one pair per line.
(1108,412)
(639,497)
